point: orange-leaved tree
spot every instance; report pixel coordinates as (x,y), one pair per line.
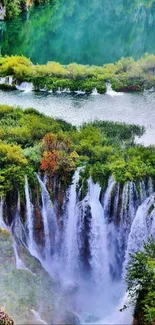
(58,158)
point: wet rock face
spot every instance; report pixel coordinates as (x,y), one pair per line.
(10,207)
(4,318)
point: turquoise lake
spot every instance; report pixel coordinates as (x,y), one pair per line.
(86,32)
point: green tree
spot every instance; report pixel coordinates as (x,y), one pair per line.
(141,282)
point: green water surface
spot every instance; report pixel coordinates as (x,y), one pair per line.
(82,31)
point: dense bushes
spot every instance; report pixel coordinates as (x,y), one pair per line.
(141,283)
(124,75)
(31,141)
(15,7)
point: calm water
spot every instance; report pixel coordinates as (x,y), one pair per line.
(76,109)
(88,32)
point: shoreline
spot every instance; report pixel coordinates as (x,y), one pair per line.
(126,75)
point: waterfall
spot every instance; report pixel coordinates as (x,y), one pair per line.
(2,223)
(107,196)
(70,243)
(6,80)
(94,92)
(59,90)
(142,227)
(143,194)
(19,263)
(98,236)
(38,317)
(10,80)
(127,214)
(111,92)
(29,214)
(90,251)
(2,80)
(150,186)
(25,86)
(48,216)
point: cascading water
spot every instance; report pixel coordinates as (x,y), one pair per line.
(143,193)
(38,318)
(29,214)
(95,92)
(19,263)
(47,207)
(70,243)
(142,227)
(25,86)
(2,223)
(111,92)
(98,237)
(91,250)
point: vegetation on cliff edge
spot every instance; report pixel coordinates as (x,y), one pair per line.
(31,141)
(141,283)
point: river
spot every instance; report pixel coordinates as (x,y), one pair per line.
(76,109)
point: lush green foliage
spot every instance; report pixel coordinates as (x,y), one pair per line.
(15,7)
(20,144)
(125,75)
(30,141)
(22,290)
(141,283)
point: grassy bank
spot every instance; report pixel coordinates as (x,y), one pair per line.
(126,75)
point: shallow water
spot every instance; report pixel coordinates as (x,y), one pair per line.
(76,109)
(87,32)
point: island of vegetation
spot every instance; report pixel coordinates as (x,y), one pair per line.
(126,75)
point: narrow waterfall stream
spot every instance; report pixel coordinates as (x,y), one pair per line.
(89,253)
(70,251)
(29,212)
(46,205)
(99,259)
